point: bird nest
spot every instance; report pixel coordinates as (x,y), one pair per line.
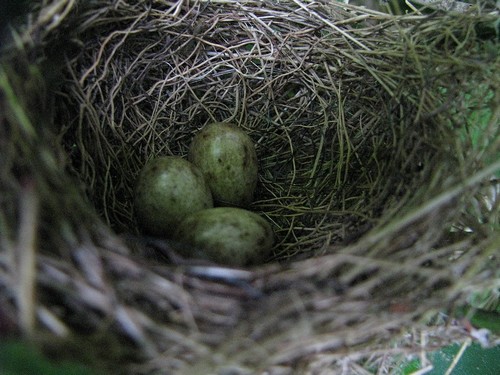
(372,172)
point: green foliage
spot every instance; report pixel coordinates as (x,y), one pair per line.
(487,319)
(17,358)
(473,361)
(410,367)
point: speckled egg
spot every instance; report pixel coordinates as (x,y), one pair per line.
(227,235)
(168,189)
(226,156)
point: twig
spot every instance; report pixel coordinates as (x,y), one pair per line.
(457,357)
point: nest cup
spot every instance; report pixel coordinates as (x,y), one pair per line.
(338,143)
(361,123)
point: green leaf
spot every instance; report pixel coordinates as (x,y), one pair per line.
(18,358)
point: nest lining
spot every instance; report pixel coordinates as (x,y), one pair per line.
(324,111)
(354,131)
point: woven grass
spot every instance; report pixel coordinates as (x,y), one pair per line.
(369,161)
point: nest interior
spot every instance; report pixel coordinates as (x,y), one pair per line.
(361,122)
(338,136)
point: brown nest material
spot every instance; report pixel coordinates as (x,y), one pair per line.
(369,161)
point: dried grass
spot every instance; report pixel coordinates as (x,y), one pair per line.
(361,122)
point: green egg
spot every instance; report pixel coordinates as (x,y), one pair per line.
(168,189)
(226,156)
(226,235)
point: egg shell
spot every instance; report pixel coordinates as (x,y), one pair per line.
(227,235)
(168,189)
(226,156)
